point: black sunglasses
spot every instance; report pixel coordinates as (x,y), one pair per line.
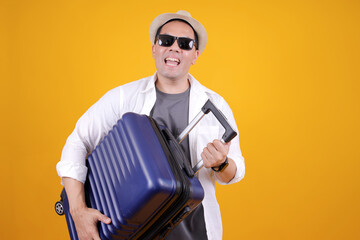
(183,42)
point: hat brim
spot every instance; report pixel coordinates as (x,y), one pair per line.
(163,18)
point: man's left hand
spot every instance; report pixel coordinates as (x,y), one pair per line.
(215,153)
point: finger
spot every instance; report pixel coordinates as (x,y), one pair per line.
(218,153)
(212,158)
(103,218)
(211,147)
(227,145)
(220,146)
(215,153)
(205,162)
(208,155)
(204,155)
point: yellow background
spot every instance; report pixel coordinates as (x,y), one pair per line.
(289,70)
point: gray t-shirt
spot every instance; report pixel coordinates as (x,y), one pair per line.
(172,111)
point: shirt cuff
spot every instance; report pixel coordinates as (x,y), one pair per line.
(72,170)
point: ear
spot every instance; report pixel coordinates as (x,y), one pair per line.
(196,55)
(153,50)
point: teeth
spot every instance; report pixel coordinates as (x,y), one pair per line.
(173,59)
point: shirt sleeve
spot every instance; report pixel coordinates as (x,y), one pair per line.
(234,151)
(89,131)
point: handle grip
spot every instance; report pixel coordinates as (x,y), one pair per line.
(229,131)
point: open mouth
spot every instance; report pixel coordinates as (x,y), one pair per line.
(172,61)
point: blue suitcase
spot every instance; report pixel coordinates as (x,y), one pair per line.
(139,176)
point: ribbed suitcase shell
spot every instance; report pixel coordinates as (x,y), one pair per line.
(136,177)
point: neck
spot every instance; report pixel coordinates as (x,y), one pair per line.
(172,86)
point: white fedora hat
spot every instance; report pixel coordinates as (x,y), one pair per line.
(183,15)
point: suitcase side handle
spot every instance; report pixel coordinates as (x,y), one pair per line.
(229,131)
(178,153)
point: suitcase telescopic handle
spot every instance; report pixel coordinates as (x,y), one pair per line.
(209,107)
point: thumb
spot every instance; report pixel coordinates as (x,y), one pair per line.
(103,218)
(227,145)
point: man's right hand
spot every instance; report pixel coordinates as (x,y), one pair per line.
(85,218)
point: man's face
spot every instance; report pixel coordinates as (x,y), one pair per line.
(173,62)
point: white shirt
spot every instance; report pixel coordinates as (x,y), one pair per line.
(139,97)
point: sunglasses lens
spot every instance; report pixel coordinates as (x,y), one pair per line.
(166,40)
(185,43)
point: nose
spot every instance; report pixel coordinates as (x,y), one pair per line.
(175,47)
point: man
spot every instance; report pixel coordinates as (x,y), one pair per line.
(173,97)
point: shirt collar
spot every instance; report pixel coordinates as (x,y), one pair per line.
(151,84)
(197,87)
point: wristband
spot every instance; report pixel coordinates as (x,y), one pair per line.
(222,166)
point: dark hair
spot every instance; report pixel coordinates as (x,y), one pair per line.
(181,20)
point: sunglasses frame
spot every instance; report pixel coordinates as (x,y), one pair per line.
(178,39)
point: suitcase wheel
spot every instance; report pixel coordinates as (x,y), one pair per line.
(59,208)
